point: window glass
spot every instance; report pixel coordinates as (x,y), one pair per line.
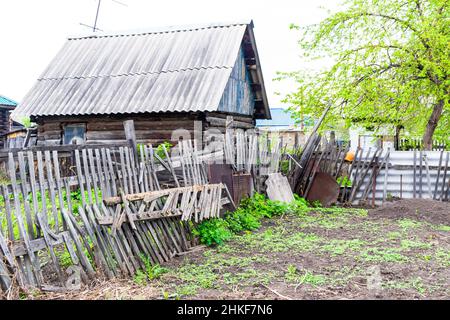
(74,133)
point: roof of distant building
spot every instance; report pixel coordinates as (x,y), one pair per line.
(4,101)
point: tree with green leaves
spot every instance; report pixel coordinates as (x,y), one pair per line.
(390,65)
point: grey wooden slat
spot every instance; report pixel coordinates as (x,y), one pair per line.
(162,236)
(131,173)
(69,243)
(153,171)
(145,184)
(51,184)
(113,173)
(49,244)
(33,184)
(157,240)
(125,252)
(68,195)
(5,279)
(80,178)
(171,234)
(87,176)
(123,171)
(8,213)
(106,174)
(133,238)
(100,172)
(42,182)
(100,242)
(5,250)
(134,170)
(30,259)
(75,236)
(154,254)
(94,175)
(179,225)
(58,181)
(25,193)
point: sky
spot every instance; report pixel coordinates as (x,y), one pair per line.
(33,31)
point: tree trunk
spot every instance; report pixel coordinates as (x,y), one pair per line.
(432,124)
(397,137)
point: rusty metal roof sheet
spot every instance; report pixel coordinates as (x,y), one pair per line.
(167,70)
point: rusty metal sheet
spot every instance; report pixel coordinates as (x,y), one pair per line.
(242,186)
(324,189)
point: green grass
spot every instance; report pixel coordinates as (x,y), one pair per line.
(408,224)
(407,244)
(300,277)
(338,247)
(415,283)
(381,254)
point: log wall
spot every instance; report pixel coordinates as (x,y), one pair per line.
(150,129)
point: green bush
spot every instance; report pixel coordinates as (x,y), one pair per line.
(213,231)
(241,220)
(246,218)
(299,204)
(260,206)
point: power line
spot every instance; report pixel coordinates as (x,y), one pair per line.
(96,15)
(94,27)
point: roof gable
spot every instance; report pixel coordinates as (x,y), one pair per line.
(177,70)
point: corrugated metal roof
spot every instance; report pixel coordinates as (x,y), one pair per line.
(158,71)
(4,101)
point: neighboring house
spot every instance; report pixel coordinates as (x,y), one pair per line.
(283,125)
(6,123)
(6,106)
(364,138)
(162,79)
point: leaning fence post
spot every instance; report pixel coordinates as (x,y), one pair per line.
(130,135)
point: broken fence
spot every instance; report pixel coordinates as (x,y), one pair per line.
(132,206)
(122,218)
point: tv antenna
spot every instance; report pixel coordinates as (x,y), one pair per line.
(94,27)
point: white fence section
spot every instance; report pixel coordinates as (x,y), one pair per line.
(432,176)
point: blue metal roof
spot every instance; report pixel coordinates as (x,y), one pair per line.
(280,118)
(7,102)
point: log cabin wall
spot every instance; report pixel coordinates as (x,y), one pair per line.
(150,129)
(215,120)
(4,124)
(4,121)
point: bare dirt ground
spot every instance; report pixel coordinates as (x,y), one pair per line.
(399,251)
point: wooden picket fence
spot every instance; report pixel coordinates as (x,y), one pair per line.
(121,220)
(84,212)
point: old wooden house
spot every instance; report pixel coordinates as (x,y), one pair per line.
(163,79)
(6,106)
(7,125)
